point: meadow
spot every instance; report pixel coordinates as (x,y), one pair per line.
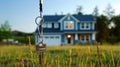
(60,56)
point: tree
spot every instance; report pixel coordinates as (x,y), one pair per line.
(79,10)
(5,31)
(109,12)
(116,31)
(5,27)
(95,12)
(102,28)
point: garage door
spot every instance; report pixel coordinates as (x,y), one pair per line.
(52,40)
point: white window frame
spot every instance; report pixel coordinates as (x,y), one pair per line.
(56,25)
(44,25)
(68,25)
(49,25)
(84,37)
(85,26)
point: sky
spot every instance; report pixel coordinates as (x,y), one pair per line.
(21,13)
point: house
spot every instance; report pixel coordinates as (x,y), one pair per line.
(68,29)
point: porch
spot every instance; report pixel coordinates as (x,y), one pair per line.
(88,38)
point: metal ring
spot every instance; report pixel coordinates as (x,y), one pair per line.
(41,21)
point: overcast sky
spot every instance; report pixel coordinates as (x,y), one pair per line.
(21,13)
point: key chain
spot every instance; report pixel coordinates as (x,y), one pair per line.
(40,46)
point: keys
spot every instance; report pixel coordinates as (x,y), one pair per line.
(40,48)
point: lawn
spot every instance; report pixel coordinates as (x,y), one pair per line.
(60,56)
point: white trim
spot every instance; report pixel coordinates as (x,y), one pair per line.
(63,18)
(76,22)
(61,28)
(68,18)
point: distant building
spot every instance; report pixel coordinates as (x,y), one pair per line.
(68,29)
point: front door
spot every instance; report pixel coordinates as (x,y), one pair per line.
(69,40)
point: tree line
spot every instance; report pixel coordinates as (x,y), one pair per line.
(6,34)
(107,24)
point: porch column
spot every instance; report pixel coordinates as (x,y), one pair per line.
(76,36)
(93,36)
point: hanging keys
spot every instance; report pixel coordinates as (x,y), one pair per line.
(40,46)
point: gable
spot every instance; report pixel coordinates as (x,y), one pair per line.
(68,17)
(68,22)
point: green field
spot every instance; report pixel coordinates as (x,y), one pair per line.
(60,56)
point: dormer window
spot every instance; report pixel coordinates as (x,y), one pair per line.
(68,24)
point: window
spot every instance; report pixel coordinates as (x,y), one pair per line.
(56,25)
(49,25)
(69,25)
(66,26)
(85,26)
(51,37)
(44,25)
(85,38)
(82,25)
(46,37)
(82,37)
(57,37)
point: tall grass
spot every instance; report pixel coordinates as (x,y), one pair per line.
(60,56)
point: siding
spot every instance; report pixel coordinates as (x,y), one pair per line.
(62,39)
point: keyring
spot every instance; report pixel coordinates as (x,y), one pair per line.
(41,20)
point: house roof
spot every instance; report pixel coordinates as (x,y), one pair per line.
(56,18)
(84,17)
(52,18)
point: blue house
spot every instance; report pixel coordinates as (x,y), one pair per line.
(68,29)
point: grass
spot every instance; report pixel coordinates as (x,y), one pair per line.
(60,56)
